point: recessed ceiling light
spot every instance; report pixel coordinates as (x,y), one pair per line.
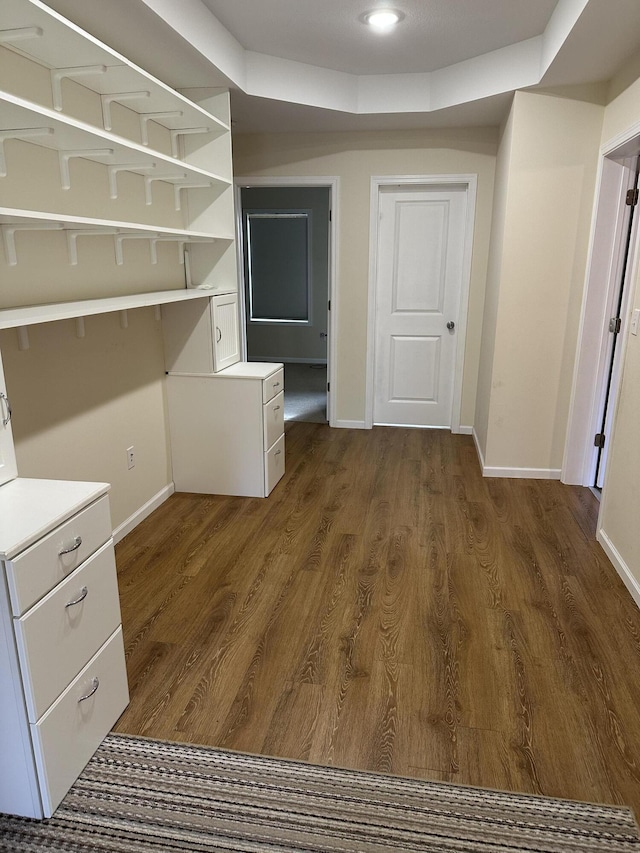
(382,20)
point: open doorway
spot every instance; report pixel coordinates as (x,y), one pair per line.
(612,263)
(286,263)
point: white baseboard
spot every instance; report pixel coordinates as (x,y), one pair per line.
(514,473)
(478,449)
(522,473)
(464,430)
(619,565)
(140,514)
(349,425)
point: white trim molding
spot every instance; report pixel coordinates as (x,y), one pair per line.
(350,425)
(140,514)
(332,182)
(522,473)
(601,287)
(377,182)
(619,565)
(513,473)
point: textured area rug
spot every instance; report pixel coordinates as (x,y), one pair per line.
(144,795)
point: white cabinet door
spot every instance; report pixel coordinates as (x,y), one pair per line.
(224,319)
(8,467)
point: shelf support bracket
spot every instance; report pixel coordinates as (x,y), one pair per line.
(79,327)
(125,167)
(59,74)
(154,252)
(122,237)
(86,153)
(145,118)
(149,179)
(9,236)
(20,34)
(184,131)
(194,186)
(124,319)
(107,100)
(72,240)
(23,338)
(19,133)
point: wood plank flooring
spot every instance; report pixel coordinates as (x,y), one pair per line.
(388,609)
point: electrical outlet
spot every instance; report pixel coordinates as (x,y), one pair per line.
(131,457)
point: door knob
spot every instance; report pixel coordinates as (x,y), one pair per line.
(451,325)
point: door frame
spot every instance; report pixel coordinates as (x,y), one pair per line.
(601,286)
(332,183)
(470,182)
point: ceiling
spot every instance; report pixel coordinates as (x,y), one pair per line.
(313,66)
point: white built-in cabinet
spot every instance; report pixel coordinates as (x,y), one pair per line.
(227,430)
(201,337)
(63,680)
(226,416)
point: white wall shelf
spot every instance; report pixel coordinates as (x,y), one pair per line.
(12,318)
(21,119)
(33,29)
(14,220)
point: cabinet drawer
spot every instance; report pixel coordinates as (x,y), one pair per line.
(273,465)
(72,729)
(56,639)
(273,419)
(273,385)
(39,568)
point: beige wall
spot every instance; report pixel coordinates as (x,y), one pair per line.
(355,158)
(539,241)
(485,372)
(79,403)
(620,509)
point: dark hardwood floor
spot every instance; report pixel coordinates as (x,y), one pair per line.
(387,608)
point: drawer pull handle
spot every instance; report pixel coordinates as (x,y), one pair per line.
(277,453)
(6,418)
(218,335)
(95,683)
(276,408)
(83,594)
(276,384)
(77,542)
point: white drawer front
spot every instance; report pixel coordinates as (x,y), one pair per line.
(71,730)
(274,465)
(273,385)
(38,569)
(273,419)
(56,639)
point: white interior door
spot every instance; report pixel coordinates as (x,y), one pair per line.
(420,259)
(8,468)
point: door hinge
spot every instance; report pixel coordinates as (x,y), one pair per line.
(599,440)
(330,214)
(328,387)
(329,305)
(614,325)
(632,197)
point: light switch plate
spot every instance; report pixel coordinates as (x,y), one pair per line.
(635,321)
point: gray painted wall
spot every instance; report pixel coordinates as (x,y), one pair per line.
(283,342)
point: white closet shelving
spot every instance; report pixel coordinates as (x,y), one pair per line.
(179,144)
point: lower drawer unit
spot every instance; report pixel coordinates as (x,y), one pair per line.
(39,568)
(273,464)
(227,430)
(69,733)
(59,634)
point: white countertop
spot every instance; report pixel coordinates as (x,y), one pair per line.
(31,508)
